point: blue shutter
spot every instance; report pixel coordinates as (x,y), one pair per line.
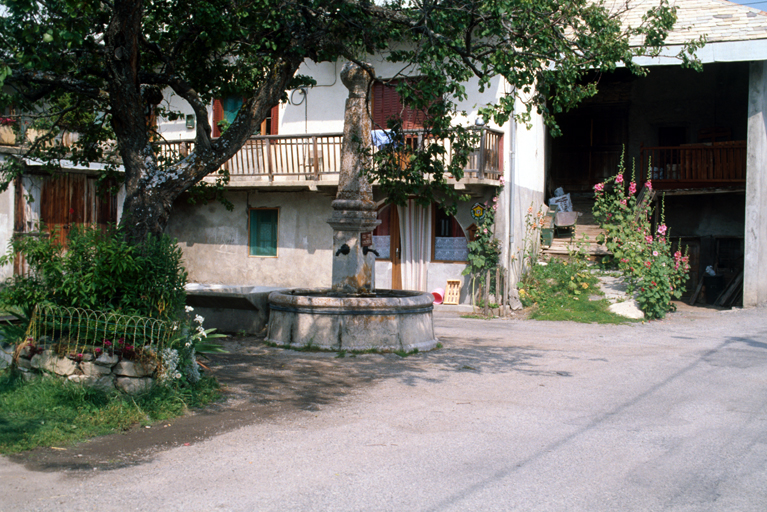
(263,232)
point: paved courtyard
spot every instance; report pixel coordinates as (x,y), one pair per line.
(509,415)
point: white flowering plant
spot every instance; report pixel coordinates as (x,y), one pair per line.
(180,357)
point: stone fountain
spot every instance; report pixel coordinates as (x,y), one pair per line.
(352,314)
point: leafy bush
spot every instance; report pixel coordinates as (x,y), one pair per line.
(559,290)
(546,280)
(98,270)
(643,254)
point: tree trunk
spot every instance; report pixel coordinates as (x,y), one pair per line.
(151,189)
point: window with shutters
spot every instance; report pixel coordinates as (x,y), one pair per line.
(387,104)
(263,231)
(449,243)
(225,110)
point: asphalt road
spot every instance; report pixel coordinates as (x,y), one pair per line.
(509,415)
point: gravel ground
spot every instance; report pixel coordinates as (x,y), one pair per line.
(509,415)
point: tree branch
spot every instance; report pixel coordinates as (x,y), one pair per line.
(67,83)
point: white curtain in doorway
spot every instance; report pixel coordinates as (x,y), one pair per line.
(415,241)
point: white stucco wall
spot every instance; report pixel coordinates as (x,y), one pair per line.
(528,178)
(177,130)
(319,109)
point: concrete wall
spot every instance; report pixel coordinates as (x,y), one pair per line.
(755,261)
(319,109)
(215,241)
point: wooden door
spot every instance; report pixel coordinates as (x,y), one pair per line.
(396,250)
(70,199)
(63,203)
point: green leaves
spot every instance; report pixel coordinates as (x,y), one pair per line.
(98,271)
(537,51)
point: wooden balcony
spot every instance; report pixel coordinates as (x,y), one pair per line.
(279,159)
(718,164)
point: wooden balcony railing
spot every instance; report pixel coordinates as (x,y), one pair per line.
(694,165)
(318,156)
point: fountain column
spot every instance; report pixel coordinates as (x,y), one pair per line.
(354,211)
(352,315)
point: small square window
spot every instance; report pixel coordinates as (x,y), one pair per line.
(263,231)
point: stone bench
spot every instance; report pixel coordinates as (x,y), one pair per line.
(231,308)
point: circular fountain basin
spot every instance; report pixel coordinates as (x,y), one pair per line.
(386,320)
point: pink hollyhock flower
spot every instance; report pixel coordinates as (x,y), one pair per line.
(632,188)
(655,253)
(619,178)
(648,185)
(599,187)
(662,229)
(648,238)
(678,255)
(623,202)
(501,180)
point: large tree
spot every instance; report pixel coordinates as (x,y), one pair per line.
(100,68)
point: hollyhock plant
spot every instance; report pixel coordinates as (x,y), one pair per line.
(651,269)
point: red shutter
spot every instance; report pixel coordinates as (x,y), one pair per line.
(386,104)
(275,117)
(218,115)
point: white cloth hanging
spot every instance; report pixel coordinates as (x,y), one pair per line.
(415,240)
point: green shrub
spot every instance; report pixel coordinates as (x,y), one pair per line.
(98,270)
(565,291)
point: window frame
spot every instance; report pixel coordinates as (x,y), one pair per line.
(434,236)
(389,256)
(277,232)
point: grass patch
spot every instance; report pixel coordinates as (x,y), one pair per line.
(560,291)
(53,412)
(477,316)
